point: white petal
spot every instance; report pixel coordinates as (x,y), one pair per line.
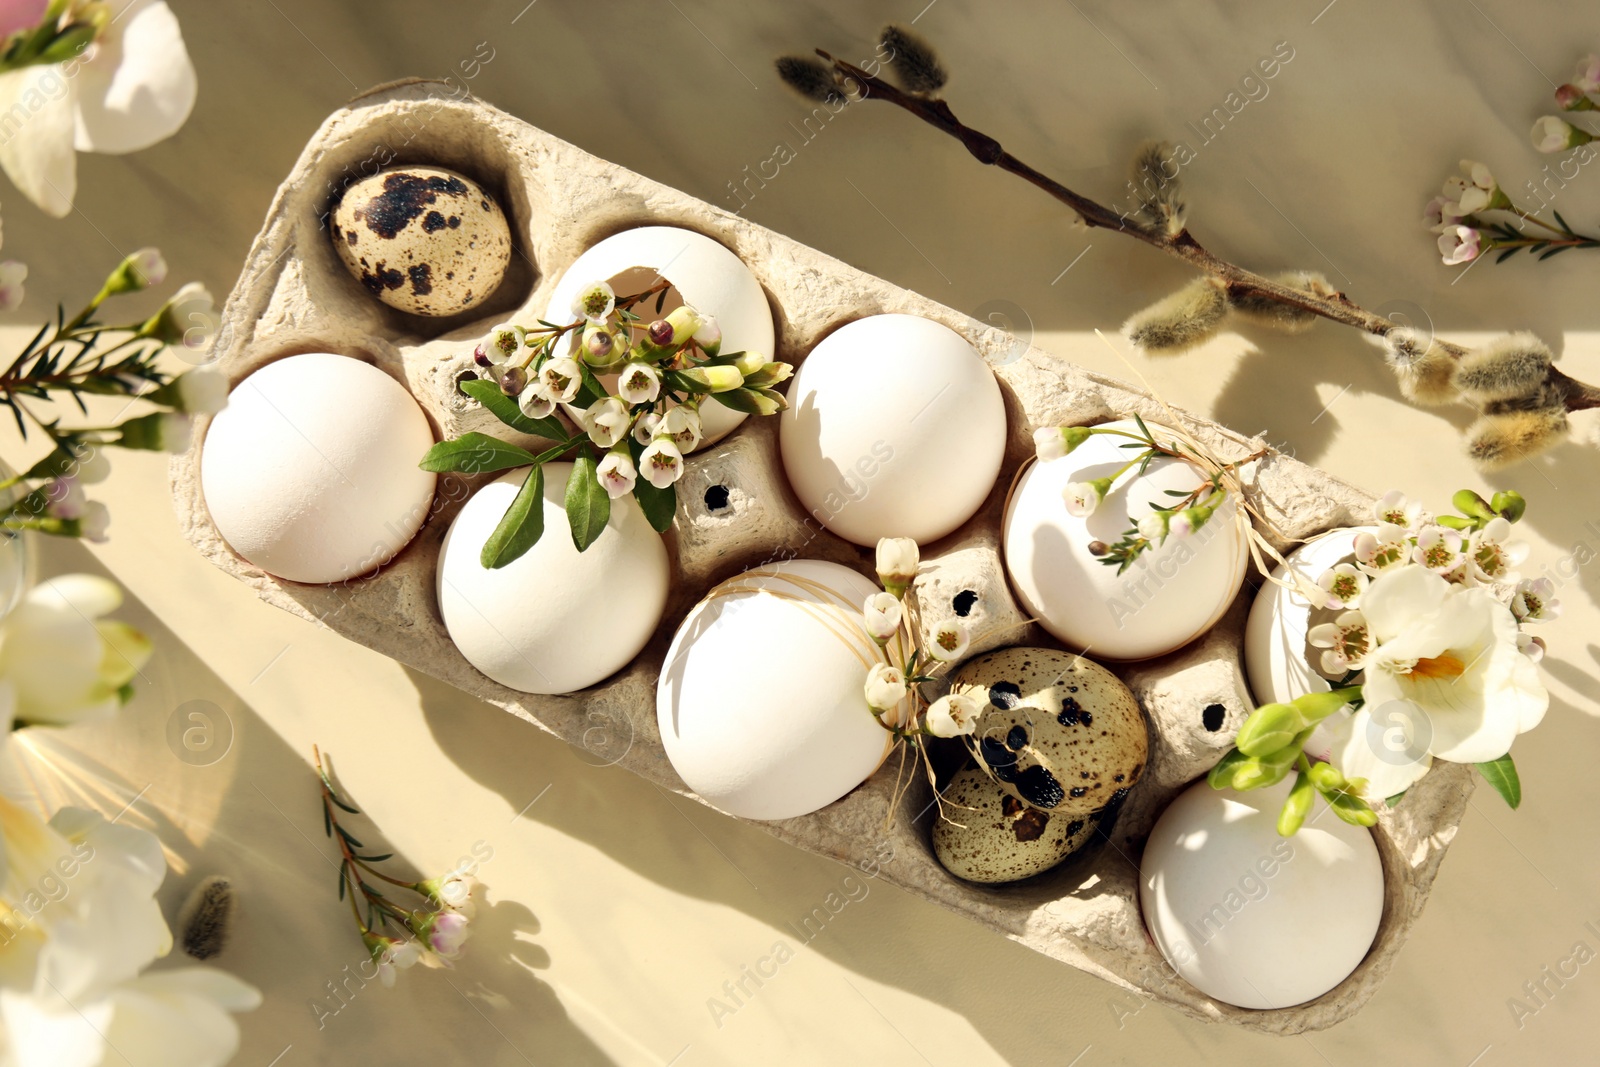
(36,136)
(1395,601)
(1389,752)
(179,1018)
(88,594)
(139,86)
(47,1031)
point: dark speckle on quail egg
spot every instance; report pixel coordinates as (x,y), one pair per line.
(1057,732)
(423,239)
(988,835)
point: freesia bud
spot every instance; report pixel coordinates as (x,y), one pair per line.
(1268,729)
(685,321)
(1314,707)
(750,362)
(1326,777)
(897,564)
(1297,807)
(1509,505)
(953,715)
(881,615)
(714,379)
(950,640)
(768,375)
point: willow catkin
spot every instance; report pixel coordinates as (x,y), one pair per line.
(205,917)
(811,78)
(1179,322)
(1506,368)
(915,64)
(1159,193)
(1508,437)
(1421,367)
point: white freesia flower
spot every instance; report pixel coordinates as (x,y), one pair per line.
(617,474)
(1344,585)
(1494,558)
(134,86)
(1445,670)
(953,715)
(881,615)
(562,378)
(60,661)
(661,463)
(885,689)
(78,959)
(1535,600)
(639,383)
(606,421)
(950,640)
(897,561)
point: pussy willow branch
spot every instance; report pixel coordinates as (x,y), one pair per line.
(985,149)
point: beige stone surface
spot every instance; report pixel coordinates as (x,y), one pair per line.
(620,914)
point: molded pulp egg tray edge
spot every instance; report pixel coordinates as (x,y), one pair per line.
(294,296)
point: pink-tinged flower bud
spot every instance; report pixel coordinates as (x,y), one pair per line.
(1459,244)
(480,357)
(12,275)
(1554,134)
(1083,498)
(660,333)
(1571,98)
(141,270)
(709,335)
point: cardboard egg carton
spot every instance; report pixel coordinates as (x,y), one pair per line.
(295,296)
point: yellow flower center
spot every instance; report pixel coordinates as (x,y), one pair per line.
(1442,666)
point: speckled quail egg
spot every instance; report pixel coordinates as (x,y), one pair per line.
(988,835)
(1058,731)
(423,239)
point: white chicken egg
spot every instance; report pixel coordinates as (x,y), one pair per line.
(554,620)
(310,472)
(1248,917)
(895,428)
(1278,662)
(705,275)
(1169,596)
(761,703)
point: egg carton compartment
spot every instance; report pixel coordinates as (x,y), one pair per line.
(736,510)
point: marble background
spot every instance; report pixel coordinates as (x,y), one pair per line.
(616,911)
